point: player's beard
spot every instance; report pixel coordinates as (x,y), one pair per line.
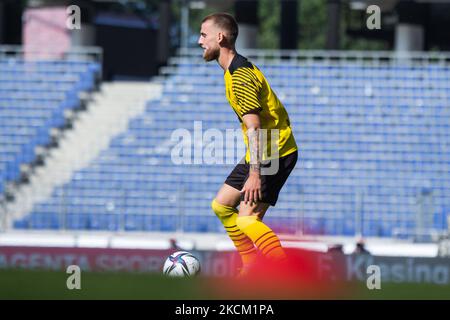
(211,54)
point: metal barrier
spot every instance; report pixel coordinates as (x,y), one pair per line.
(331,57)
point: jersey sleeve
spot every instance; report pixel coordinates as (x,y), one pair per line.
(246,88)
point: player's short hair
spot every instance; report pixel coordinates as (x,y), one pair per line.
(226,22)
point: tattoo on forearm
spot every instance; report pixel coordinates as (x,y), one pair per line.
(253,145)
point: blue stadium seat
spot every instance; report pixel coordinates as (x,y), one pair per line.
(33,97)
(370,138)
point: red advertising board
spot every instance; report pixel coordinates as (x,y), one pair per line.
(107,259)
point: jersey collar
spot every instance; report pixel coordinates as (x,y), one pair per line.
(238,61)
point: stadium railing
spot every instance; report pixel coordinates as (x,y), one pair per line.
(330,56)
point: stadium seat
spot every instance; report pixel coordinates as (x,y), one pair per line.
(370,139)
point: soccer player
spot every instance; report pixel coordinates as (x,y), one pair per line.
(251,185)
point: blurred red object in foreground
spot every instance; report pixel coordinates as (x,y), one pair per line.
(298,277)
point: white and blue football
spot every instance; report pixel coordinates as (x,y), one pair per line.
(181,264)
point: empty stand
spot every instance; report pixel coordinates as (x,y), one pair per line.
(374,139)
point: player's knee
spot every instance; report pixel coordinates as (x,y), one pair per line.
(214,206)
(259,215)
(221,210)
(257,210)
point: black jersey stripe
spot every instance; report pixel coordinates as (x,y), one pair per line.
(247,102)
(246,92)
(247,98)
(247,110)
(247,73)
(247,106)
(238,80)
(251,111)
(243,84)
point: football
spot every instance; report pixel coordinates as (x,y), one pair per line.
(181,264)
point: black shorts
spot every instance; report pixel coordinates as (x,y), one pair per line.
(271,184)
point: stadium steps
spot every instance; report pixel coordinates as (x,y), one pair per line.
(106,116)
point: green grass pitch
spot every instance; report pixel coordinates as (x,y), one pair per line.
(26,284)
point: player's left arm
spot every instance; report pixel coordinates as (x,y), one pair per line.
(247,88)
(252,187)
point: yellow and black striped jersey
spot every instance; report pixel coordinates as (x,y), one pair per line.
(248,91)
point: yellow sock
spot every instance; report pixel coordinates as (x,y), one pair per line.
(262,236)
(244,245)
